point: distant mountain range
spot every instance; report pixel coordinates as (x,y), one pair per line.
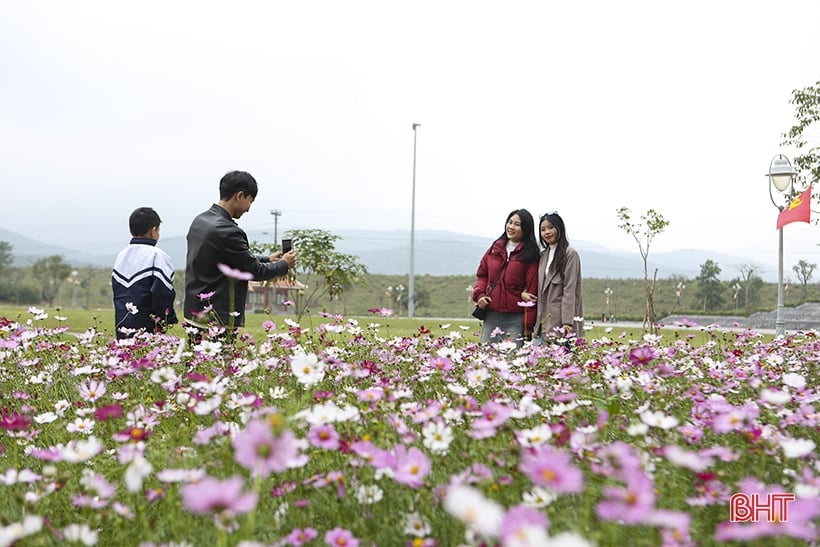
(436,253)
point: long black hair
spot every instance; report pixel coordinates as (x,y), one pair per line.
(561,245)
(530,251)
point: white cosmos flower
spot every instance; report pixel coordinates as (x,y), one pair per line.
(81,451)
(437,436)
(45,418)
(81,425)
(416,525)
(792,379)
(658,419)
(181,475)
(82,533)
(539,497)
(209,348)
(31,524)
(536,436)
(135,473)
(132,309)
(775,396)
(206,406)
(307,368)
(369,494)
(797,448)
(688,459)
(471,507)
(277,392)
(637,428)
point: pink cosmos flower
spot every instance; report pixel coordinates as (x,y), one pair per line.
(299,536)
(262,452)
(324,436)
(341,538)
(631,503)
(92,390)
(233,273)
(410,466)
(523,523)
(212,496)
(546,466)
(643,355)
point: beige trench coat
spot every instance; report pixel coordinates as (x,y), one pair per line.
(560,299)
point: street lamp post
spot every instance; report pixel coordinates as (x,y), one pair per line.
(679,294)
(411,287)
(608,293)
(781,174)
(736,287)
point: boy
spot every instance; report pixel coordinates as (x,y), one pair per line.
(143,279)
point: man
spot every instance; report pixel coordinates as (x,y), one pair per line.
(143,279)
(215,239)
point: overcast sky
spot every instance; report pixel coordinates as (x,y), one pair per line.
(580,107)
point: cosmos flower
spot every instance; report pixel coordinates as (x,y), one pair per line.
(233,273)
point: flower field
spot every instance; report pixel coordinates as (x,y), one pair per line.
(341,434)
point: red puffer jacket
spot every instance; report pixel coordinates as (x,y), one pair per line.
(518,276)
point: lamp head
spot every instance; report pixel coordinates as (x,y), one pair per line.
(781,173)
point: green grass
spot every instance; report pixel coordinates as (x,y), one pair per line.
(102,320)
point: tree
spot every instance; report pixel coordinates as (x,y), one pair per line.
(803,270)
(50,272)
(325,271)
(807,113)
(709,288)
(644,231)
(6,257)
(748,272)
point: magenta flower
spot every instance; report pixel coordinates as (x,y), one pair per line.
(260,451)
(410,466)
(324,436)
(341,538)
(546,466)
(11,421)
(643,355)
(213,497)
(299,536)
(233,273)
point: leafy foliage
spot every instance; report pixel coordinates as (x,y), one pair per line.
(326,272)
(710,290)
(50,272)
(807,113)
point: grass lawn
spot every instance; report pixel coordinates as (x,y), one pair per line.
(80,320)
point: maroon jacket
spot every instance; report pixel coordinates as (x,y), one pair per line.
(517,277)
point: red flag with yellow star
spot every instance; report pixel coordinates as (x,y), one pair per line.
(799,210)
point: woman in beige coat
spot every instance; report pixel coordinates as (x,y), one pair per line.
(560,309)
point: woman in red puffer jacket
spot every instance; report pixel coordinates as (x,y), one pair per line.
(508,268)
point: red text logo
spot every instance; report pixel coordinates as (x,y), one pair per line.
(754,508)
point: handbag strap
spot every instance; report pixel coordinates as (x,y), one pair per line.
(497,279)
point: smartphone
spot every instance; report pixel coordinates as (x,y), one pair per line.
(287,245)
